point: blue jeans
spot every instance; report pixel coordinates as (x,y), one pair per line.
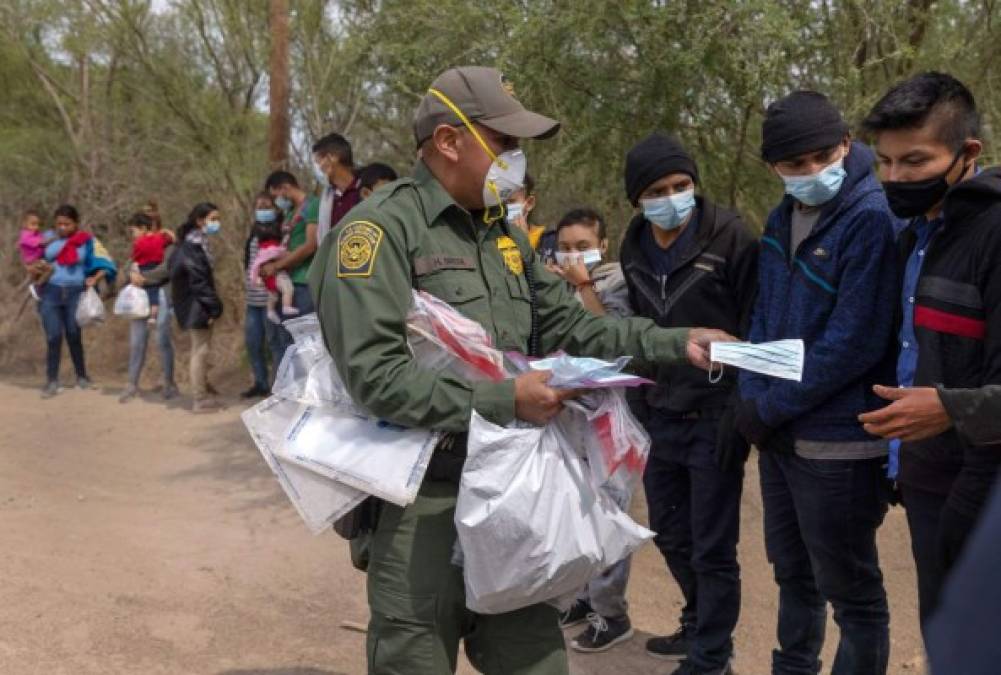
(695,511)
(58,310)
(258,332)
(821,518)
(138,337)
(303,301)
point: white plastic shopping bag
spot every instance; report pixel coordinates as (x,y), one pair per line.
(374,456)
(132,303)
(532,527)
(318,500)
(90,309)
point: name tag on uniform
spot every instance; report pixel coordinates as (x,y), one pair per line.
(432,263)
(511,254)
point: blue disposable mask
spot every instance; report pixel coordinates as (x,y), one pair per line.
(818,188)
(284,203)
(514,212)
(265,215)
(213,227)
(319,175)
(668,213)
(591,257)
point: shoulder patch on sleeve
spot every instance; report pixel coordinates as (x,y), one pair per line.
(357,248)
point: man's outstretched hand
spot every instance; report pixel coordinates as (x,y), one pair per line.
(916,413)
(535,401)
(699,340)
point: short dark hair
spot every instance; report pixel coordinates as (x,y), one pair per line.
(30,213)
(140,219)
(67,211)
(279,179)
(264,194)
(375,172)
(584,216)
(336,145)
(930,96)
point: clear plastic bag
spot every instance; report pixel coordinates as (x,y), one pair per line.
(602,427)
(441,337)
(531,525)
(318,500)
(132,303)
(90,309)
(307,372)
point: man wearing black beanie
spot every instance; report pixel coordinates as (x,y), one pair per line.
(687,260)
(827,276)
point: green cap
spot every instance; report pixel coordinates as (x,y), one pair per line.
(483,95)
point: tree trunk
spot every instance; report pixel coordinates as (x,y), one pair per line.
(278,129)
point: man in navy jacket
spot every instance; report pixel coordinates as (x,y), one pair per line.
(827,275)
(927,133)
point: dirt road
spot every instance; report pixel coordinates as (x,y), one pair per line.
(142,539)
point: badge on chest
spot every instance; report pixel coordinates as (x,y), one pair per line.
(511,254)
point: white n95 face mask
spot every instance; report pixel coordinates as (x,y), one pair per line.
(781,358)
(505,177)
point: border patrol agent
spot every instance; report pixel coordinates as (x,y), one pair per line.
(443,232)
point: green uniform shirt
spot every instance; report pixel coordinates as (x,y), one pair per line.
(300,218)
(413,234)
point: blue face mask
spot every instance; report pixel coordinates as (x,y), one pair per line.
(213,227)
(668,213)
(818,188)
(265,216)
(284,203)
(320,177)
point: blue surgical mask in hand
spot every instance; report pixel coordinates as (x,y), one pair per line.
(781,358)
(818,188)
(265,215)
(668,213)
(213,227)
(591,258)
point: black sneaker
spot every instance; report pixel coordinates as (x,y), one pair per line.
(576,615)
(602,634)
(688,668)
(254,392)
(672,647)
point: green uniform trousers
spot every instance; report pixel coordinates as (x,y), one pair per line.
(417,600)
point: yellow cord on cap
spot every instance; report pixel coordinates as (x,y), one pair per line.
(469,125)
(493,156)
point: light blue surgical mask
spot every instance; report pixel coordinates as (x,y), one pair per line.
(781,358)
(514,211)
(213,227)
(265,215)
(668,213)
(319,175)
(591,257)
(284,203)
(818,188)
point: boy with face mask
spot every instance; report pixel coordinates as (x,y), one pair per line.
(827,276)
(687,260)
(927,133)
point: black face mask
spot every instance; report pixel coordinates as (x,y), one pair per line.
(909,199)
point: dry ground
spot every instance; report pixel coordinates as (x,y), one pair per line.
(142,539)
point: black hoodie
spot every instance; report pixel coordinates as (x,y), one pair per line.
(713,285)
(957,321)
